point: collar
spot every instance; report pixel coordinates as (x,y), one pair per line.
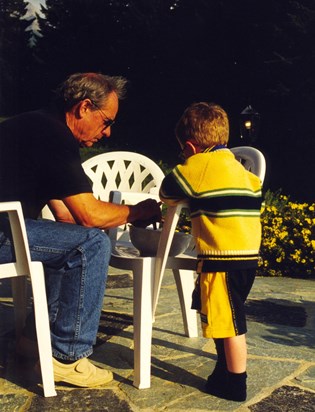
(214,148)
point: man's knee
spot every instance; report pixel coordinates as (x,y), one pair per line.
(102,240)
(105,240)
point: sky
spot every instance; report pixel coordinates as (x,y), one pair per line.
(34,7)
(36,4)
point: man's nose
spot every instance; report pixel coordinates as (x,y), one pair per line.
(106,132)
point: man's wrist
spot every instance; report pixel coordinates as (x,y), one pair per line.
(133,214)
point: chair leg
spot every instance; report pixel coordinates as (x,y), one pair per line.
(142,322)
(42,329)
(19,293)
(185,285)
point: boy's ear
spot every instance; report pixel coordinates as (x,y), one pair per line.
(192,148)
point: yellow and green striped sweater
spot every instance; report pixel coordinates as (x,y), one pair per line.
(225,203)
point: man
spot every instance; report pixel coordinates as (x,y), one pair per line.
(39,164)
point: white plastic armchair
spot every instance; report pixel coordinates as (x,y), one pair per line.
(18,270)
(126,177)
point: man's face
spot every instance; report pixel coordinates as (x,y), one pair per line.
(94,121)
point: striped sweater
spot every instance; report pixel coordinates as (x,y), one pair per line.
(225,202)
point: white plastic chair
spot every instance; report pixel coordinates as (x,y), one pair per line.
(184,265)
(126,177)
(18,271)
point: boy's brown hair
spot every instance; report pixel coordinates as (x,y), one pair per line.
(205,123)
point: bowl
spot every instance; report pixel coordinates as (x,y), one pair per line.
(146,240)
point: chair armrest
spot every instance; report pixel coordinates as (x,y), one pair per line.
(18,230)
(8,206)
(130,198)
(167,234)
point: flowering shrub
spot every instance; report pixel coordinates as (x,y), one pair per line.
(288,237)
(184,222)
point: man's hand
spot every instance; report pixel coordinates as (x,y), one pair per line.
(145,213)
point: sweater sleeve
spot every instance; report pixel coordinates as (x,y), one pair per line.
(171,191)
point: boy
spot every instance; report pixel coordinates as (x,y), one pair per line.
(225,201)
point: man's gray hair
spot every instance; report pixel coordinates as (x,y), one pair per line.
(94,86)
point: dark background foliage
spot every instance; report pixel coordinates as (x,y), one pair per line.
(175,52)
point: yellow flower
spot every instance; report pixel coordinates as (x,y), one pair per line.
(283,234)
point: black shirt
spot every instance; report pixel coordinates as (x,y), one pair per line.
(39,160)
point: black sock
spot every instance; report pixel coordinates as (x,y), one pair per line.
(219,346)
(220,371)
(65,361)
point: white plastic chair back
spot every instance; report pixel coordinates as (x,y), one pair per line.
(252,159)
(18,270)
(123,171)
(115,172)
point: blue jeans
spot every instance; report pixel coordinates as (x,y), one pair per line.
(76,261)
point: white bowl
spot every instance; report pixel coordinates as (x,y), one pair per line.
(146,240)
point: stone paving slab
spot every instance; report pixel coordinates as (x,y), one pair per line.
(285,399)
(281,364)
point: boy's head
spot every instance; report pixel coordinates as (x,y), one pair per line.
(202,125)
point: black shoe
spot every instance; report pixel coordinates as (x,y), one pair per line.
(218,381)
(231,386)
(237,386)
